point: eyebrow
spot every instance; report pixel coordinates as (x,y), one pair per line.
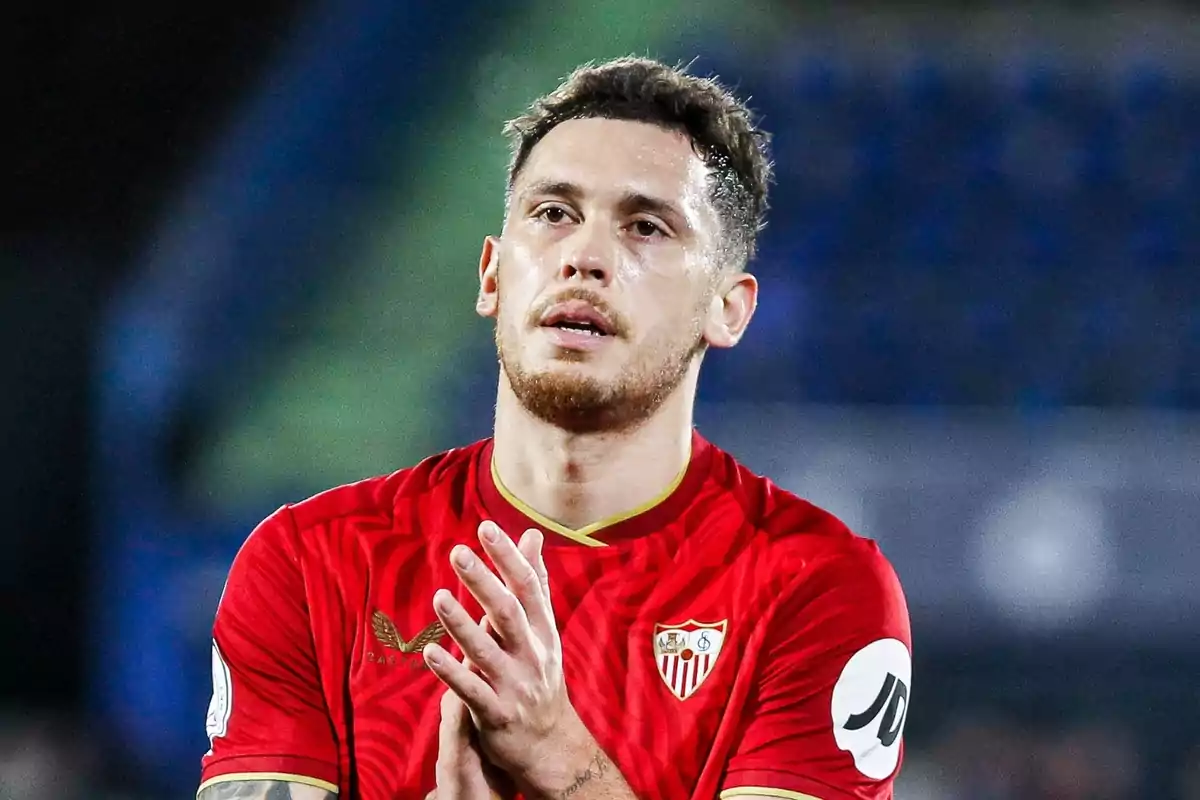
(630,202)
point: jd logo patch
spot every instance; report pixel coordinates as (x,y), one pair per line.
(870,705)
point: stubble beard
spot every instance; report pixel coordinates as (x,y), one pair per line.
(582,404)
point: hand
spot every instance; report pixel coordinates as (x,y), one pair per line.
(461,772)
(518,698)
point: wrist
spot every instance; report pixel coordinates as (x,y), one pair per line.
(573,753)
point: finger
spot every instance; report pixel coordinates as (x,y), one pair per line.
(471,688)
(452,744)
(520,576)
(541,615)
(454,717)
(498,601)
(478,647)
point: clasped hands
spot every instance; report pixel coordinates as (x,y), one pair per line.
(507,723)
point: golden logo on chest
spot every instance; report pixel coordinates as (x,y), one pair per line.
(388,635)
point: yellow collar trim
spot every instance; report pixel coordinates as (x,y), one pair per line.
(584,535)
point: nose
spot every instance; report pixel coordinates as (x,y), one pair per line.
(588,254)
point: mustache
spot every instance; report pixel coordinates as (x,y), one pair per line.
(619,324)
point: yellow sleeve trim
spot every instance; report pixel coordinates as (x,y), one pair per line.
(765,791)
(286,777)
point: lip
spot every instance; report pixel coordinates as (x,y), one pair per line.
(578,341)
(578,311)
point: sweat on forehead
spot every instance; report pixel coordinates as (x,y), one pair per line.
(606,147)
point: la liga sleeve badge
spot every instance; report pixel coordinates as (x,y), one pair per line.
(685,653)
(221,704)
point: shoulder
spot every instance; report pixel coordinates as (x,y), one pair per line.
(364,507)
(813,553)
(377,500)
(789,524)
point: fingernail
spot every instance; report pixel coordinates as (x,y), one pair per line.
(489,533)
(432,655)
(463,557)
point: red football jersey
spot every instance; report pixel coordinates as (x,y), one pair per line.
(731,639)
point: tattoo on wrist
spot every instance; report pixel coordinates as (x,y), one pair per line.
(599,765)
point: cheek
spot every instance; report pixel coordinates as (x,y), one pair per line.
(668,269)
(651,265)
(673,320)
(511,290)
(520,273)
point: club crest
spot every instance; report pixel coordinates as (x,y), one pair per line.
(686,653)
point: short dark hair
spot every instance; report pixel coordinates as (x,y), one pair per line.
(722,130)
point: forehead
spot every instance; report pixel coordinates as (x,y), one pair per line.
(617,157)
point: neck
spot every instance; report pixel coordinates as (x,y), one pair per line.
(579,479)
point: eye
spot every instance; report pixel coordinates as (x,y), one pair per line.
(555,215)
(647,229)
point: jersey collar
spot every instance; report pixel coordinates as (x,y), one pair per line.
(514,516)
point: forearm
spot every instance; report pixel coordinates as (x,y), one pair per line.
(599,780)
(263,790)
(584,773)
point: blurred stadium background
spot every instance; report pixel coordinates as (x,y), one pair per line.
(237,268)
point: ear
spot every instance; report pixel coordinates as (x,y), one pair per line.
(488,301)
(730,310)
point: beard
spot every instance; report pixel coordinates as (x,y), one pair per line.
(583,404)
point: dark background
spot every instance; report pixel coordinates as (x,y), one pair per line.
(108,108)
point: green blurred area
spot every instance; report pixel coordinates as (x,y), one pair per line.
(368,388)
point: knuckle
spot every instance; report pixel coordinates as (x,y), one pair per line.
(527,694)
(506,611)
(531,579)
(505,717)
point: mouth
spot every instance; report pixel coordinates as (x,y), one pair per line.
(578,317)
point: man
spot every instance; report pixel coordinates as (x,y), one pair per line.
(618,609)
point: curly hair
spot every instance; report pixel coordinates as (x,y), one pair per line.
(722,130)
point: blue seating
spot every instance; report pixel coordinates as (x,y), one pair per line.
(1022,233)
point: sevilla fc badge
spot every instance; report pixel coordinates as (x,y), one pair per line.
(686,653)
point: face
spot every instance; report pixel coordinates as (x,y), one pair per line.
(606,285)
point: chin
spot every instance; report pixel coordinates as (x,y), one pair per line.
(573,365)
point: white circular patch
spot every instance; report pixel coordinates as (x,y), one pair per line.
(221,704)
(870,704)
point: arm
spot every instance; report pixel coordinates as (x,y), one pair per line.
(584,773)
(827,714)
(263,790)
(269,726)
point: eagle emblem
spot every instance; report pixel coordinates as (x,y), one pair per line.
(388,636)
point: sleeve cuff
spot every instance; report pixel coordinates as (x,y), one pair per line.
(292,769)
(771,783)
(765,791)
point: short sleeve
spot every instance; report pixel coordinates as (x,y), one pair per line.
(826,717)
(268,714)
